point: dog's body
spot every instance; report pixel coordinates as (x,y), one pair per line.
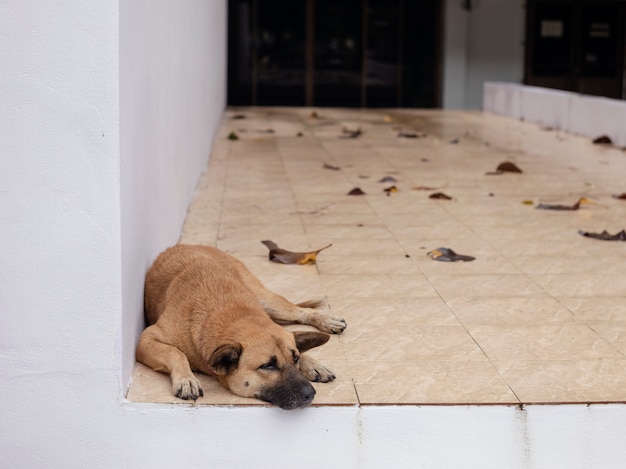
(207,312)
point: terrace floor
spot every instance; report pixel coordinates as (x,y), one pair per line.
(538,317)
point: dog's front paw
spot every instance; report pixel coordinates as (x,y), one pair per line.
(187,388)
(333,325)
(314,370)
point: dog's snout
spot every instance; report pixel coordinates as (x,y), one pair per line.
(290,394)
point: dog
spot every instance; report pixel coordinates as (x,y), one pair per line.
(207,312)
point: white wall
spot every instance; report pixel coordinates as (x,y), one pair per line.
(484,44)
(107,114)
(172,94)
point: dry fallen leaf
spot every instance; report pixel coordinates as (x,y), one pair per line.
(506,167)
(448,255)
(330,166)
(621,196)
(388,179)
(283,256)
(313,115)
(233,136)
(439,195)
(603,140)
(411,135)
(390,189)
(605,236)
(238,117)
(576,206)
(423,188)
(356,191)
(528,202)
(348,133)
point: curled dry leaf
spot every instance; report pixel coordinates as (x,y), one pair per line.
(347,133)
(313,115)
(620,197)
(238,117)
(411,135)
(448,255)
(330,166)
(390,189)
(604,236)
(439,195)
(388,179)
(603,140)
(576,206)
(505,167)
(356,191)
(283,256)
(233,136)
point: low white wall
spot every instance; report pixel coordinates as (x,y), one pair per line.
(585,115)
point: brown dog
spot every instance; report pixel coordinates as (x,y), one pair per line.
(208,313)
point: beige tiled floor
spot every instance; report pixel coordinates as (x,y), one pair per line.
(538,317)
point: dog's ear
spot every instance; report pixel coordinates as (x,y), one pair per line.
(306,340)
(225,358)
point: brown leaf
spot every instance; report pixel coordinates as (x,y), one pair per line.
(313,115)
(347,133)
(423,188)
(439,195)
(576,206)
(330,166)
(283,256)
(621,196)
(390,189)
(356,191)
(605,236)
(411,135)
(233,136)
(238,117)
(448,255)
(603,140)
(388,179)
(506,167)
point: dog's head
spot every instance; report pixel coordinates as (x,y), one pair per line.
(265,366)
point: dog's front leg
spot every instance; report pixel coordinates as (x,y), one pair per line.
(160,356)
(313,370)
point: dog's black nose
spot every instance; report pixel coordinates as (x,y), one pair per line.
(307,396)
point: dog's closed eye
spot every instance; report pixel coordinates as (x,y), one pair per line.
(295,356)
(270,365)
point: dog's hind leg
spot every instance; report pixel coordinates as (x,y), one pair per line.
(283,311)
(160,356)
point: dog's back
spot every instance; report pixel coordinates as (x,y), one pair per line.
(185,268)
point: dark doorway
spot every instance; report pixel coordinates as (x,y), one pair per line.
(344,53)
(577,45)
